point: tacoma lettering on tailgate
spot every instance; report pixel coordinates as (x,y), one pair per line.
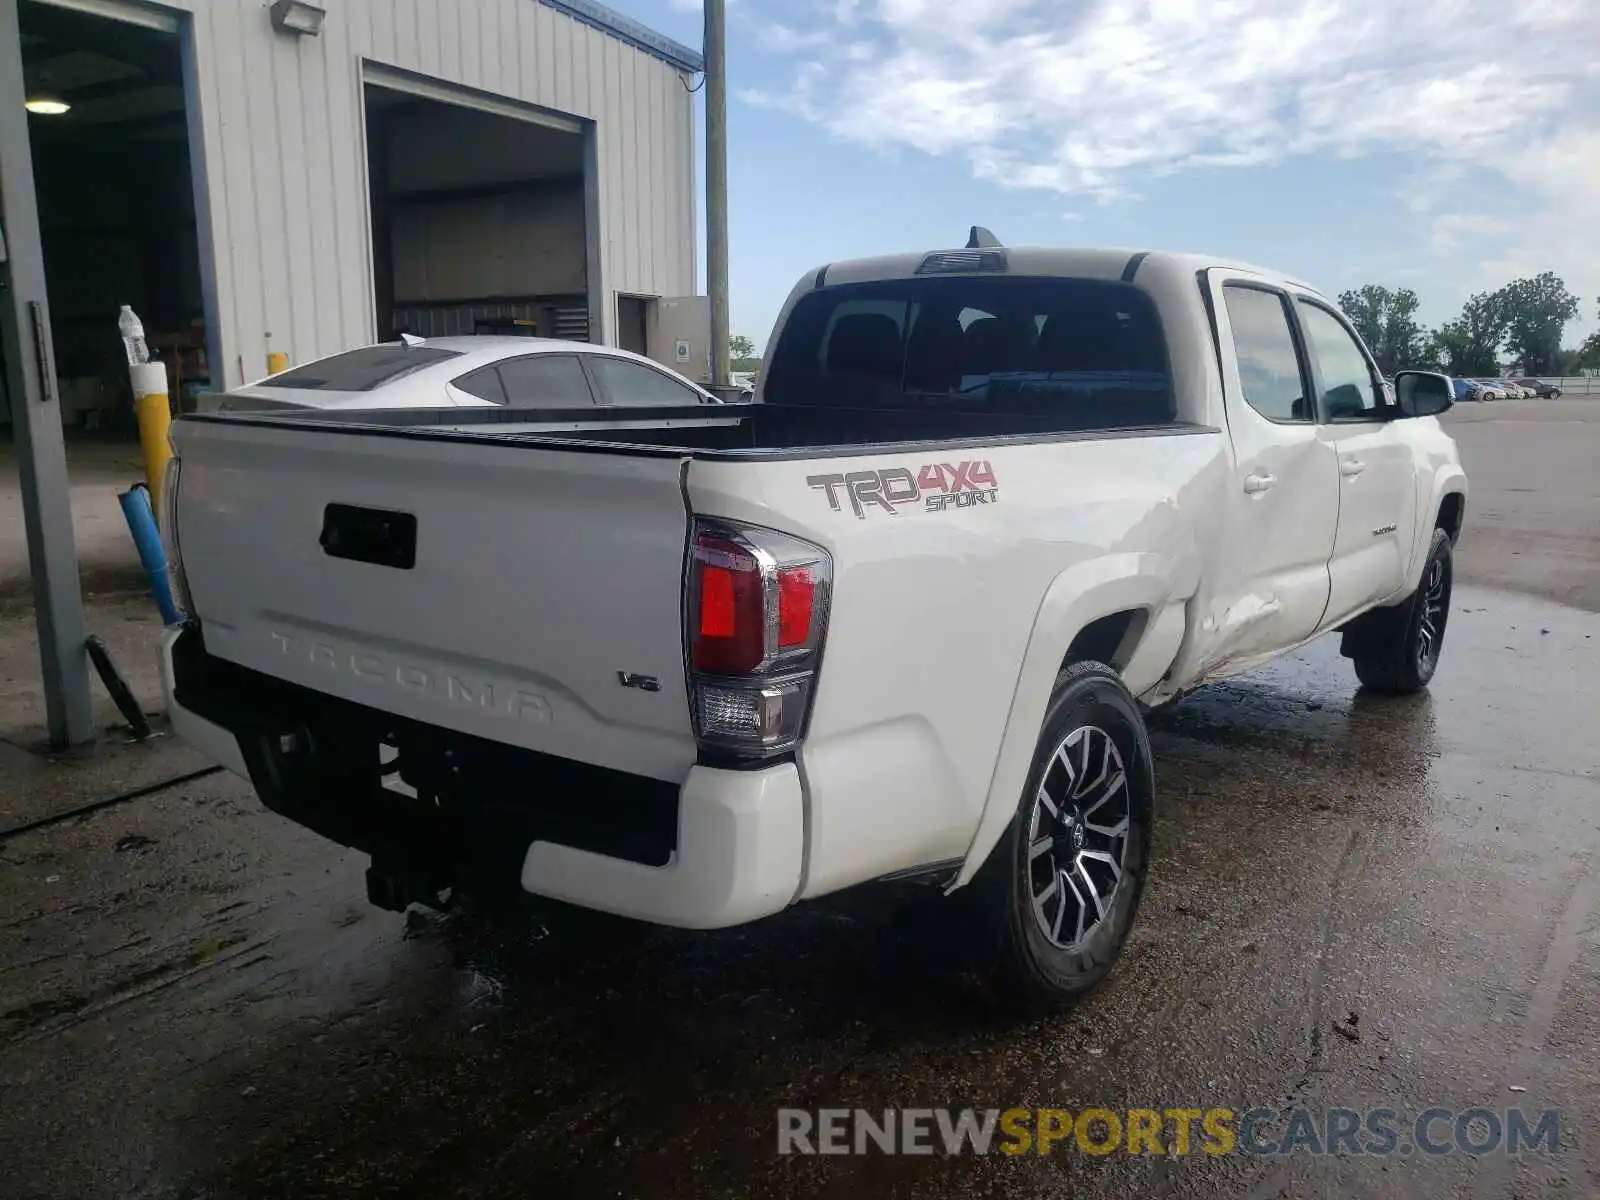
(938,486)
(432,683)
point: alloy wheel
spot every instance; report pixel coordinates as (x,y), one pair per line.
(1430,630)
(1078,836)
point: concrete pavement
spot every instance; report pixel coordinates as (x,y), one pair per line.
(1355,902)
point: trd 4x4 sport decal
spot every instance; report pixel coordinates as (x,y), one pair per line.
(937,485)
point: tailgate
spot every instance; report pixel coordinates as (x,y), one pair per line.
(540,603)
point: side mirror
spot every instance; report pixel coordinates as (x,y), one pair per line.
(1423,393)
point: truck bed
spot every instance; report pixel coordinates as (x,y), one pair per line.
(424,563)
(753,431)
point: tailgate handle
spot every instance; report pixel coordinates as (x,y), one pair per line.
(370,535)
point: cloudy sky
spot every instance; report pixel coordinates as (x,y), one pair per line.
(1447,146)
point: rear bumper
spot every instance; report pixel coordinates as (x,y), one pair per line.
(738,854)
(741,839)
(205,736)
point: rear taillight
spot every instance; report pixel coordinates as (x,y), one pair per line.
(757,608)
(167,522)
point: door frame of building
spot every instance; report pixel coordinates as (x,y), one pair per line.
(181,25)
(648,314)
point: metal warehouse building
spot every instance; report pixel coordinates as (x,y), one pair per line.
(258,177)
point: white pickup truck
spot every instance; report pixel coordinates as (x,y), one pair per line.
(900,617)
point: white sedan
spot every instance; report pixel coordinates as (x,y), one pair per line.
(470,372)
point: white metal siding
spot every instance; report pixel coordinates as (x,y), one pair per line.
(284,147)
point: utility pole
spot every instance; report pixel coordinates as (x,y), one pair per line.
(36,414)
(716,55)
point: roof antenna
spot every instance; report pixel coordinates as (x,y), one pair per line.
(981,239)
(411,339)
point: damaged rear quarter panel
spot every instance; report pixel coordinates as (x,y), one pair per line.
(943,563)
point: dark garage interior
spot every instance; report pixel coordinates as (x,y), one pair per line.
(115,192)
(479,220)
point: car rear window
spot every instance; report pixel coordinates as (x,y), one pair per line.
(360,370)
(1089,353)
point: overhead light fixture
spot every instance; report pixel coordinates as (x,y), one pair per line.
(297,17)
(46,105)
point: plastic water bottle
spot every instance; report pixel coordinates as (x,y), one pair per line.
(132,330)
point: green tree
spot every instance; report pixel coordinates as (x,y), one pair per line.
(1386,321)
(1536,312)
(1587,356)
(740,346)
(1470,345)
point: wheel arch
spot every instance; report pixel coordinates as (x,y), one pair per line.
(1444,498)
(1452,513)
(1107,605)
(1111,639)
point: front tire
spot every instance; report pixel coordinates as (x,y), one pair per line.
(1397,649)
(1067,879)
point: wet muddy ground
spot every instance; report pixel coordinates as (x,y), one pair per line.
(1354,903)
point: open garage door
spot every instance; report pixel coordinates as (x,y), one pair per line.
(109,127)
(481,214)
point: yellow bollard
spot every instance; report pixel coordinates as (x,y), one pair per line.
(277,362)
(154,413)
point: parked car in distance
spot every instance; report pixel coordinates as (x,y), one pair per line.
(901,619)
(1489,389)
(1511,391)
(476,371)
(1467,389)
(1541,389)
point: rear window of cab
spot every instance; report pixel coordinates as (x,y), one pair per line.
(1086,353)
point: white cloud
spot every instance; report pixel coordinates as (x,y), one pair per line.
(1454,231)
(1093,97)
(1036,94)
(1560,176)
(784,39)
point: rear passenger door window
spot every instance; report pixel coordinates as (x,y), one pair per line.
(634,385)
(1269,362)
(545,381)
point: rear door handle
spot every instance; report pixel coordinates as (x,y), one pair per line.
(1351,467)
(1259,481)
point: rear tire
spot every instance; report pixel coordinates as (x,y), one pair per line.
(1397,649)
(1065,882)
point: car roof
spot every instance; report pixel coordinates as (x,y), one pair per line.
(468,353)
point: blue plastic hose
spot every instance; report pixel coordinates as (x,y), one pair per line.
(147,538)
